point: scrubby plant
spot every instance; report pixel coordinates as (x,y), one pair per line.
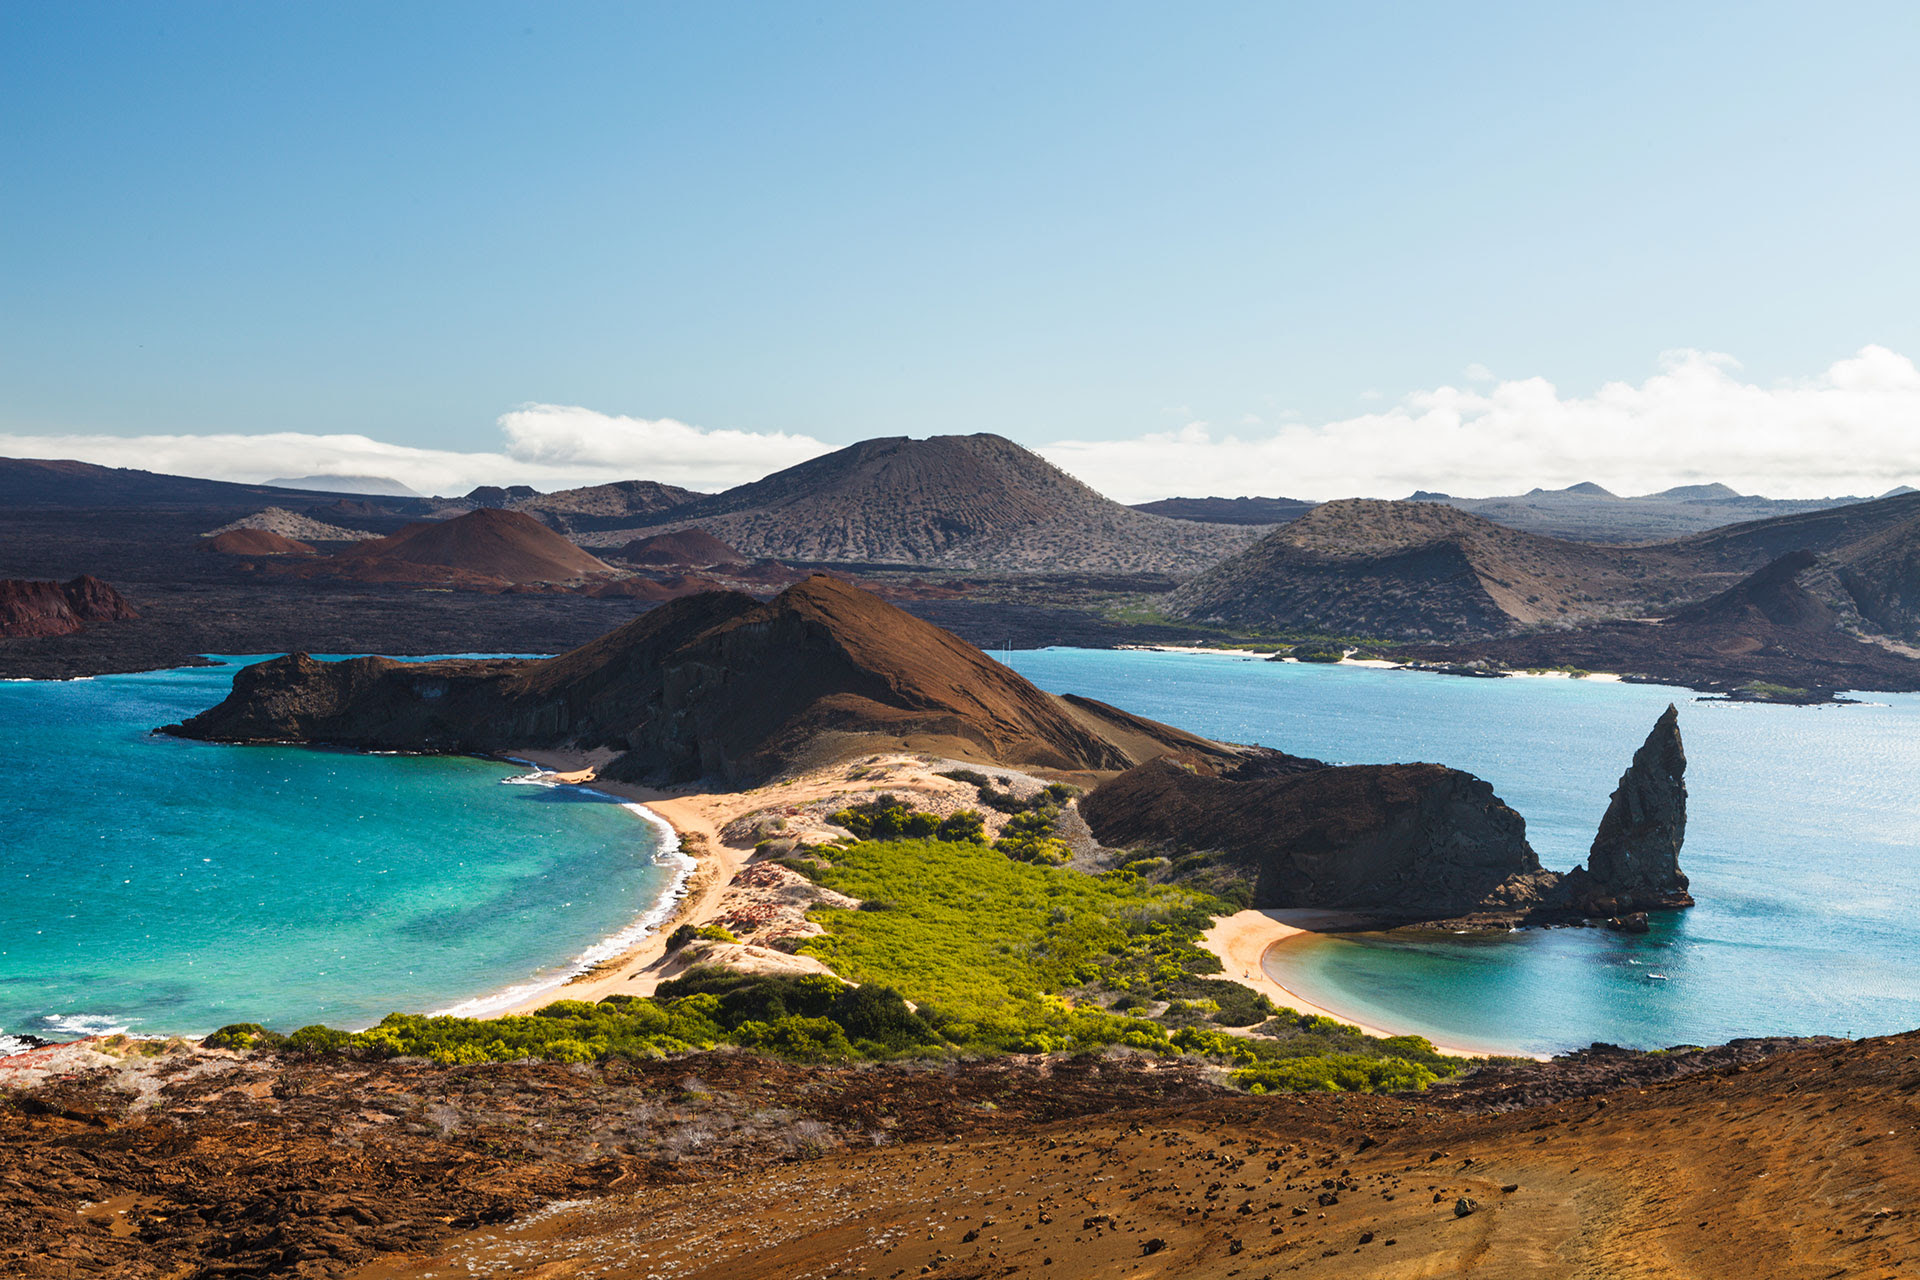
(688,933)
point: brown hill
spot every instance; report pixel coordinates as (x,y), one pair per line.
(1416,570)
(694,547)
(255,542)
(29,608)
(977,502)
(716,685)
(506,545)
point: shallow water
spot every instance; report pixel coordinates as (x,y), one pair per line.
(169,886)
(1803,846)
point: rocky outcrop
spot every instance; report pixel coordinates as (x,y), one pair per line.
(715,685)
(1634,864)
(1412,841)
(1407,842)
(30,608)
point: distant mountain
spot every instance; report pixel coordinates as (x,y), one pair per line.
(607,506)
(378,485)
(59,482)
(1422,570)
(1586,512)
(961,502)
(1228,510)
(1416,571)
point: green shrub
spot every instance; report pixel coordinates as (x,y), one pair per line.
(699,933)
(243,1036)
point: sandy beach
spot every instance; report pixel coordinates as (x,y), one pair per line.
(1242,941)
(701,820)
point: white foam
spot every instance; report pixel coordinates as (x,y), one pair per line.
(667,854)
(85,1024)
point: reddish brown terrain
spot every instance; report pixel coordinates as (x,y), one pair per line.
(255,542)
(718,684)
(693,547)
(488,543)
(1783,1160)
(31,609)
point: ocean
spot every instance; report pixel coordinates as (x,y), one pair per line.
(1803,847)
(163,886)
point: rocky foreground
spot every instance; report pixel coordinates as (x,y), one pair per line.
(1776,1158)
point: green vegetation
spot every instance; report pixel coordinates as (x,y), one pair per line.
(1761,691)
(886,818)
(699,933)
(1318,653)
(998,954)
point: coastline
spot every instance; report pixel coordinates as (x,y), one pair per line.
(1243,940)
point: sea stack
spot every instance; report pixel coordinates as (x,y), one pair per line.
(1634,864)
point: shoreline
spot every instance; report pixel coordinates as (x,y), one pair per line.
(1242,941)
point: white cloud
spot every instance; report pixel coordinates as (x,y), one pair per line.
(546,446)
(1853,429)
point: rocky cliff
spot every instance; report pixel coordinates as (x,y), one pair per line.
(29,608)
(1634,864)
(715,685)
(1418,841)
(1409,842)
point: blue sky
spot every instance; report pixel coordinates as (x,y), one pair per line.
(801,225)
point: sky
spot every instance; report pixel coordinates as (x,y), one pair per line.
(1309,250)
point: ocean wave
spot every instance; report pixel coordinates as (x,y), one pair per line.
(667,853)
(84,1024)
(10,1046)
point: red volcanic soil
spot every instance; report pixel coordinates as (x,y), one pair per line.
(694,547)
(1774,1162)
(30,608)
(505,545)
(256,542)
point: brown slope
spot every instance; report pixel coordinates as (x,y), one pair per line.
(973,502)
(500,544)
(39,609)
(695,547)
(715,685)
(1418,570)
(255,542)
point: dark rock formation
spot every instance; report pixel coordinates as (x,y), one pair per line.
(1406,842)
(714,685)
(1413,841)
(29,608)
(1635,861)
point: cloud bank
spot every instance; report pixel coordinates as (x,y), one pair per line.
(544,445)
(1854,429)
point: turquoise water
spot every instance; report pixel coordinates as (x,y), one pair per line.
(1803,845)
(168,886)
